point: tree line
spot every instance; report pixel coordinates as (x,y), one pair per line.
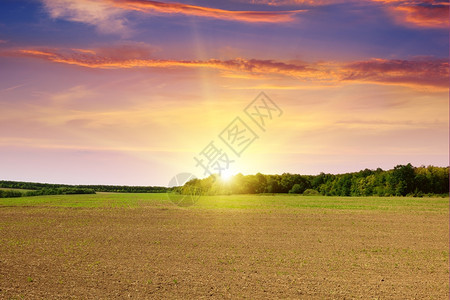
(45,191)
(38,189)
(402,180)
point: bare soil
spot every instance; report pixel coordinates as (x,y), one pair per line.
(169,252)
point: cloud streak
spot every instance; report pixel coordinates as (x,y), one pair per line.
(101,14)
(425,16)
(110,16)
(102,59)
(415,13)
(148,6)
(419,72)
(12,88)
(428,72)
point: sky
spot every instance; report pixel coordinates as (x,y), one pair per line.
(134,92)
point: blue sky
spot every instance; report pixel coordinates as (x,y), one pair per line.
(129,91)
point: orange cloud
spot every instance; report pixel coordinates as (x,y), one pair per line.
(432,16)
(418,13)
(420,72)
(109,16)
(295,2)
(84,51)
(120,58)
(201,11)
(430,72)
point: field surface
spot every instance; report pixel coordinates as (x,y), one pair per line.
(259,247)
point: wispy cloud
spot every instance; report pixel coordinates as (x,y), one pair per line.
(124,58)
(429,72)
(149,6)
(101,14)
(295,2)
(416,72)
(422,15)
(416,13)
(109,16)
(11,88)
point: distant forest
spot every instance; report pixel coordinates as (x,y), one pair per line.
(38,189)
(403,180)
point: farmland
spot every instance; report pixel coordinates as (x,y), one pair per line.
(238,246)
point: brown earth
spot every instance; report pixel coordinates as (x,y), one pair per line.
(168,252)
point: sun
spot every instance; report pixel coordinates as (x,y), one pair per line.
(226,175)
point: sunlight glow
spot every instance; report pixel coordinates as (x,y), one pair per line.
(226,175)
